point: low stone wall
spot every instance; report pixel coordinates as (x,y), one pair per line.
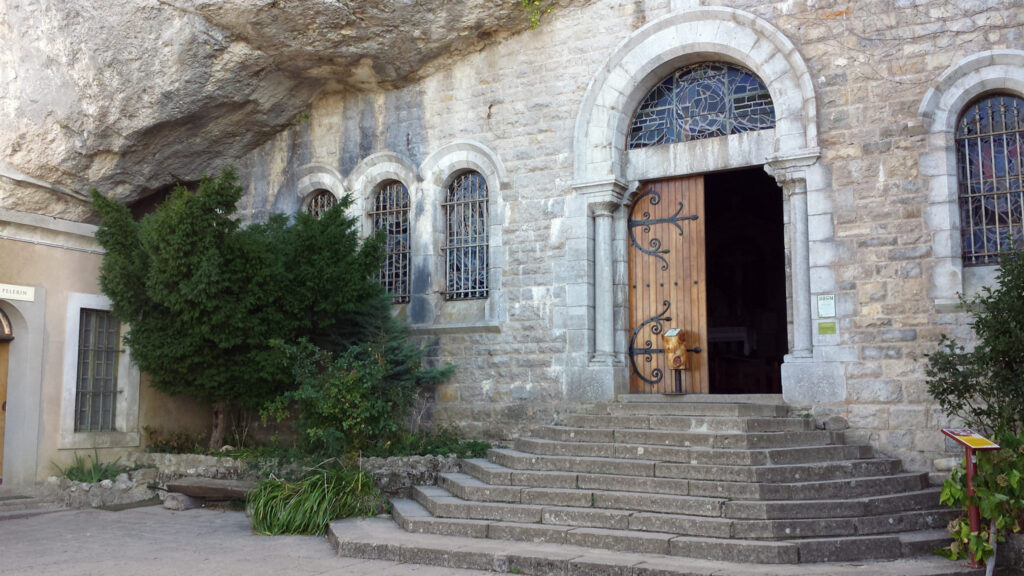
(1010,555)
(127,488)
(397,476)
(185,465)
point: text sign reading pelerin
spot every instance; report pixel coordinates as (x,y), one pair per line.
(970,439)
(13,292)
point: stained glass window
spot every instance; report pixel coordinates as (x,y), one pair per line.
(702,101)
(390,212)
(989,151)
(320,202)
(465,251)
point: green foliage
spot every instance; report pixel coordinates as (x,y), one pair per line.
(985,386)
(999,494)
(207,299)
(173,442)
(307,506)
(535,9)
(350,401)
(441,442)
(91,472)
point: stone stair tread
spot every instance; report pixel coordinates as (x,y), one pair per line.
(379,538)
(706,424)
(686,438)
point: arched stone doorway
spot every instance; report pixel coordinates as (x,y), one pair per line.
(607,175)
(6,335)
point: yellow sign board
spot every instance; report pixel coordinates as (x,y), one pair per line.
(970,438)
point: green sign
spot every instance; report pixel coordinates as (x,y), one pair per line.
(826,328)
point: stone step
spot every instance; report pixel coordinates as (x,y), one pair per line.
(723,457)
(472,489)
(524,461)
(836,508)
(675,474)
(673,514)
(689,423)
(723,440)
(379,538)
(503,479)
(713,544)
(733,409)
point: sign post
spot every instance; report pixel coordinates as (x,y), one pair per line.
(971,441)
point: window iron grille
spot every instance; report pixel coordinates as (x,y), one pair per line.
(96,389)
(390,212)
(322,201)
(466,238)
(989,140)
(702,101)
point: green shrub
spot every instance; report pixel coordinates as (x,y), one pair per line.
(999,494)
(94,471)
(440,442)
(984,387)
(307,506)
(353,400)
(174,442)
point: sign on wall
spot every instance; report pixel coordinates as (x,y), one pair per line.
(15,292)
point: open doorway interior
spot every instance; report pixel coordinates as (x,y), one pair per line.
(746,281)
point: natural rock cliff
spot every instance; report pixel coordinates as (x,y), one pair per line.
(133,95)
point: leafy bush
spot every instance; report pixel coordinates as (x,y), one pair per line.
(440,442)
(206,299)
(999,494)
(173,442)
(984,387)
(307,506)
(350,401)
(94,471)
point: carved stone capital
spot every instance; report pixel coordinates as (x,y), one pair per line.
(790,170)
(602,192)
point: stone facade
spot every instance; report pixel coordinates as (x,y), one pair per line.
(865,100)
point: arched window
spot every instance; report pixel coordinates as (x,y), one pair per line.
(319,202)
(989,154)
(702,101)
(390,212)
(465,250)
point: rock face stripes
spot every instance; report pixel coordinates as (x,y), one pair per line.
(714,481)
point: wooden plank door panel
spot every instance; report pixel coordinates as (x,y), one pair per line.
(4,349)
(667,284)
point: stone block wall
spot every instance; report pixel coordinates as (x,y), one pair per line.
(872,241)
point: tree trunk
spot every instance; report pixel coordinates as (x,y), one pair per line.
(220,411)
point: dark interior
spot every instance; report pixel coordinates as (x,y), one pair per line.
(746,282)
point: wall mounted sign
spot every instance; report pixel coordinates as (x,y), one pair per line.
(826,306)
(826,328)
(15,292)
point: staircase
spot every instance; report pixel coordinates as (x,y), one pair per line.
(734,482)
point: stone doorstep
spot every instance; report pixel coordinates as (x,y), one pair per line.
(380,538)
(690,409)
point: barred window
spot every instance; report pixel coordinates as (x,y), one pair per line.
(702,101)
(320,202)
(466,243)
(989,152)
(390,212)
(96,390)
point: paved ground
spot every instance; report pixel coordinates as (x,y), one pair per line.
(157,542)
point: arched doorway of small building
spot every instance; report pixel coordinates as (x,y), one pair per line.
(6,335)
(746,282)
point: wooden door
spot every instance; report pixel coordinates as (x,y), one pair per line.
(4,345)
(667,285)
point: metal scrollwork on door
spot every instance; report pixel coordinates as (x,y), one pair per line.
(657,324)
(645,222)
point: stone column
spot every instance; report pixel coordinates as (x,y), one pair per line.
(791,173)
(604,289)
